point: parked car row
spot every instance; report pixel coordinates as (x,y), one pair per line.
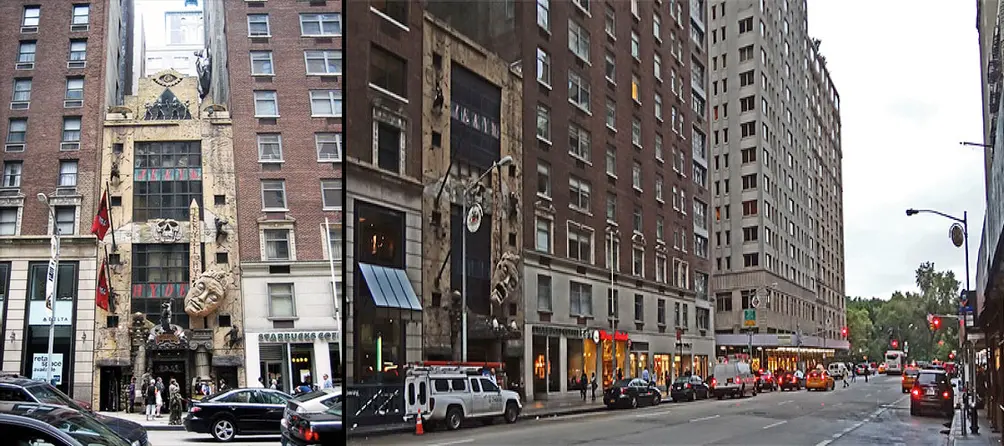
(307,419)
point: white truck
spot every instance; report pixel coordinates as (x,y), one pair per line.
(450,394)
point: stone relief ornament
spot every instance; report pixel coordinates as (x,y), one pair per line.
(505,278)
(167,231)
(206,294)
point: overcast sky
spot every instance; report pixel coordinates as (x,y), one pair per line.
(908,74)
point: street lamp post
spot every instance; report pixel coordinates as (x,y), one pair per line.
(54,271)
(612,233)
(965,237)
(506,160)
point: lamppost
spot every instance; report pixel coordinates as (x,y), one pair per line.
(506,160)
(53,273)
(965,240)
(612,234)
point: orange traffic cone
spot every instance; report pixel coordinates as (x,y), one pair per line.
(418,424)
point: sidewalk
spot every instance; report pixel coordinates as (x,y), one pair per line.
(157,424)
(555,406)
(986,436)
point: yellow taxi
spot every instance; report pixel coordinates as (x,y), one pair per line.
(819,380)
(909,377)
(882,368)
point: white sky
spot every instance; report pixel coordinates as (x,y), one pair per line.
(908,74)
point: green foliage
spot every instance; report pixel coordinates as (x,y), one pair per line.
(873,323)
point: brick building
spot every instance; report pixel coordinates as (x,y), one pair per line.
(620,214)
(66,60)
(282,83)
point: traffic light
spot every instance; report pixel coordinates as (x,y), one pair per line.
(843,332)
(951,355)
(895,343)
(936,322)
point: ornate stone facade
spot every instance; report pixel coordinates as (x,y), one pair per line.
(496,315)
(181,256)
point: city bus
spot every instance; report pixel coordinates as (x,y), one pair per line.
(895,361)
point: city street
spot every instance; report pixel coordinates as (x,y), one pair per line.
(873,413)
(173,438)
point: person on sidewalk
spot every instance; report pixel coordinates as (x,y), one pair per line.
(645,375)
(160,395)
(844,378)
(327,382)
(132,394)
(594,384)
(175,403)
(854,375)
(150,398)
(582,385)
(669,382)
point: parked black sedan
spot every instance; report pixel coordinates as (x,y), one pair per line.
(689,388)
(21,389)
(314,428)
(237,412)
(631,393)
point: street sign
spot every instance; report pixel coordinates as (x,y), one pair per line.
(749,318)
(755,302)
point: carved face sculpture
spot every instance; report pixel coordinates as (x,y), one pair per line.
(206,294)
(505,277)
(168,230)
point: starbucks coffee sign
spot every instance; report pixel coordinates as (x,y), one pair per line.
(298,336)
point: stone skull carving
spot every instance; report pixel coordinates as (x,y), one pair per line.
(168,230)
(505,278)
(206,294)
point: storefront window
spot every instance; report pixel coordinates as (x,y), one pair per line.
(608,360)
(661,368)
(546,354)
(381,349)
(302,359)
(638,363)
(590,358)
(576,365)
(701,366)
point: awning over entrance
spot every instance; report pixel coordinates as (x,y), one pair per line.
(390,287)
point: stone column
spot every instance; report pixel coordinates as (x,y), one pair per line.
(202,369)
(139,365)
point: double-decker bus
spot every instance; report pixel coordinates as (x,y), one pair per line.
(895,361)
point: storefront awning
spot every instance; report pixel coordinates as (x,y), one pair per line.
(390,287)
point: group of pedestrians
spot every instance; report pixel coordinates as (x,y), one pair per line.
(152,394)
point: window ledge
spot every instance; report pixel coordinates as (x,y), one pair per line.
(260,36)
(325,116)
(269,75)
(271,161)
(266,116)
(277,318)
(545,85)
(541,311)
(319,36)
(329,161)
(324,74)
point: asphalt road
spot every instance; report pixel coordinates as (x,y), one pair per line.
(176,438)
(863,414)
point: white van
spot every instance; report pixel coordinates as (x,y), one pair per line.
(447,394)
(837,370)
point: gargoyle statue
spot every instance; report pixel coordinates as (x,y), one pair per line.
(206,294)
(505,278)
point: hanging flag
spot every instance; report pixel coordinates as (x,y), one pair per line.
(103,291)
(101,221)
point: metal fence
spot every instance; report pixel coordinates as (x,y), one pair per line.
(374,404)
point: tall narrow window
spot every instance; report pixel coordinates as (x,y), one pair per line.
(258,25)
(68,173)
(22,94)
(261,63)
(329,146)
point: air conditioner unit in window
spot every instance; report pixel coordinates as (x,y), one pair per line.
(79,28)
(74,103)
(76,64)
(66,190)
(69,146)
(25,66)
(19,105)
(29,29)
(14,148)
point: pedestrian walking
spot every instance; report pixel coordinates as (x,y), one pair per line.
(594,385)
(582,385)
(854,375)
(669,382)
(150,399)
(844,378)
(175,403)
(274,384)
(327,382)
(645,375)
(133,393)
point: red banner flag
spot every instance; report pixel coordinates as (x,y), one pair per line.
(101,222)
(102,293)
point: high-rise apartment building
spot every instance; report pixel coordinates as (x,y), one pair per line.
(169,34)
(64,62)
(616,151)
(776,181)
(283,87)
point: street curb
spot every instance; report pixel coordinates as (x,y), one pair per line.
(527,417)
(176,427)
